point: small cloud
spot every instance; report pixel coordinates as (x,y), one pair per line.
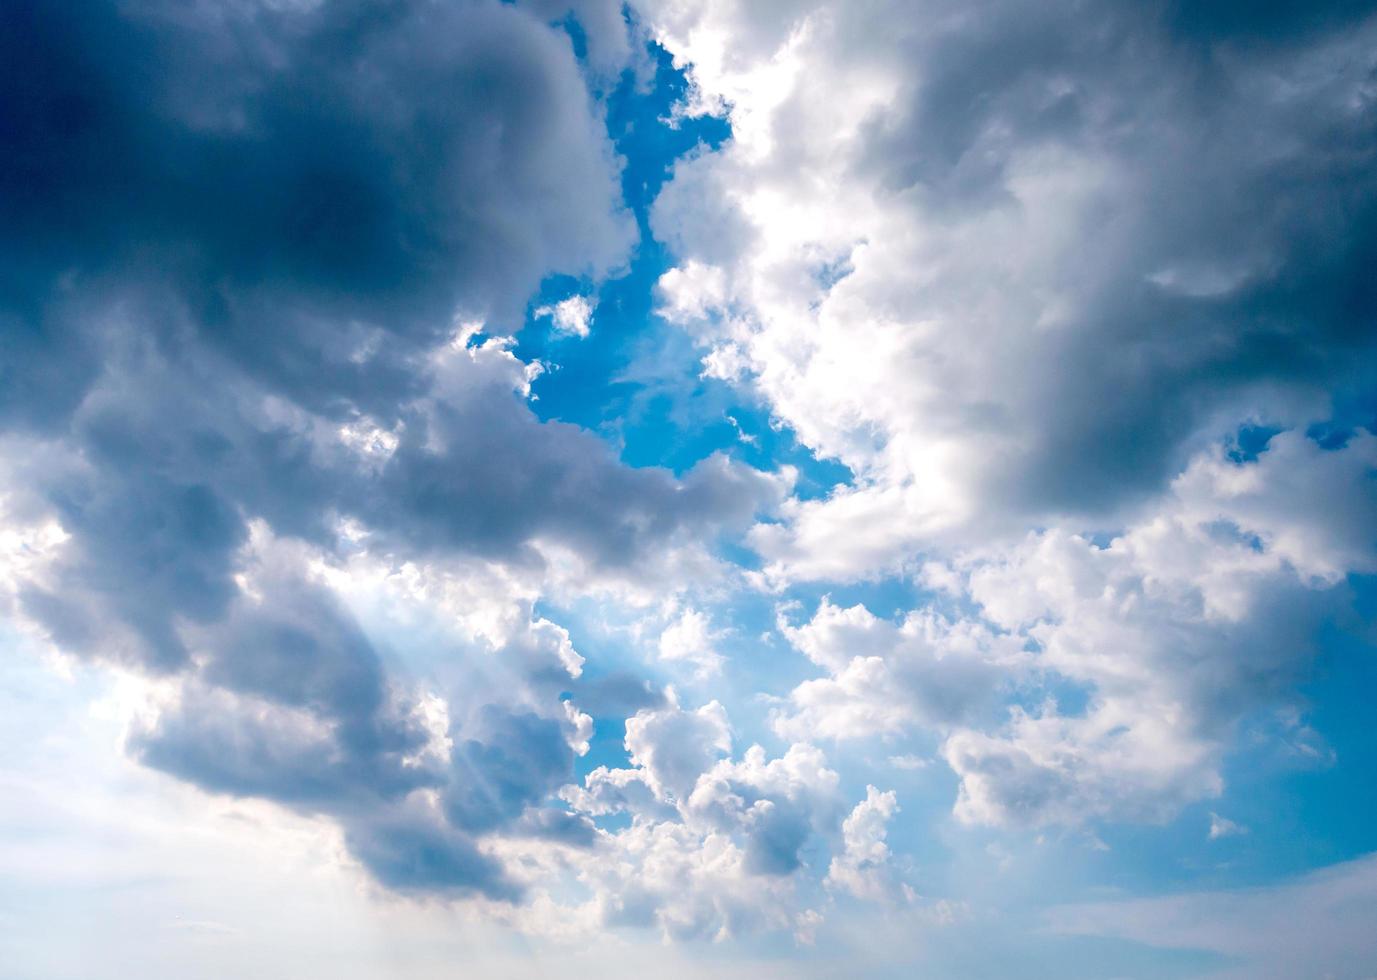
(741,433)
(908,762)
(1223,827)
(570,316)
(726,362)
(806,927)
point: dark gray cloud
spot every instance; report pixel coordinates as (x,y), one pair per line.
(520,760)
(230,231)
(251,747)
(1235,255)
(293,171)
(415,853)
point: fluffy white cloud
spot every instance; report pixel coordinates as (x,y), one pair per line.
(673,746)
(569,316)
(717,844)
(691,639)
(1177,629)
(1108,680)
(885,678)
(954,251)
(863,866)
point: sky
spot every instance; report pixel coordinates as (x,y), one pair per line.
(726,488)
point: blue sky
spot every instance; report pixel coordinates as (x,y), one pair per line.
(733,489)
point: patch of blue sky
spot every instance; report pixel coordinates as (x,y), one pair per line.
(586,388)
(890,597)
(1250,442)
(1035,955)
(635,379)
(1307,793)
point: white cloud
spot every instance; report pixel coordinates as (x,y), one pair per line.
(1176,629)
(1108,681)
(674,746)
(690,639)
(884,678)
(1224,827)
(570,316)
(945,268)
(863,867)
(728,854)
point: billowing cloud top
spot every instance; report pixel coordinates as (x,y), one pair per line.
(706,470)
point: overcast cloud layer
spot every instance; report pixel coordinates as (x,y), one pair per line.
(826,486)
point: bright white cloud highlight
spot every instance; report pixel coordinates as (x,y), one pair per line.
(569,316)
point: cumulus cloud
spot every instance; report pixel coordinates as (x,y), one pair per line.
(269,180)
(884,678)
(1076,293)
(1177,629)
(253,378)
(1015,266)
(1078,681)
(717,844)
(862,868)
(673,746)
(1027,274)
(569,316)
(690,638)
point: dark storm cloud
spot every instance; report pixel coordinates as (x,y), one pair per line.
(229,229)
(1276,22)
(292,170)
(1243,139)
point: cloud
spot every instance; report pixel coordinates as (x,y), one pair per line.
(777,804)
(303,180)
(1077,295)
(716,844)
(1318,924)
(1178,628)
(673,746)
(885,678)
(521,760)
(963,255)
(1224,827)
(243,389)
(862,868)
(604,26)
(569,316)
(1084,681)
(426,857)
(691,639)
